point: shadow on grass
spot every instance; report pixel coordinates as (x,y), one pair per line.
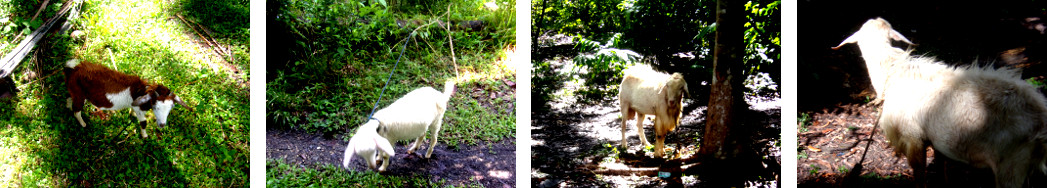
(196,149)
(227,18)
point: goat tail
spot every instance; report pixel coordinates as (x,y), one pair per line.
(72,63)
(449,89)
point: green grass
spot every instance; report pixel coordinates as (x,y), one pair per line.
(333,58)
(44,146)
(281,174)
(335,86)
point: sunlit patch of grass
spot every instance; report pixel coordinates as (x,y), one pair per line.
(48,148)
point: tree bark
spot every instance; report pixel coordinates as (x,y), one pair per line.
(718,149)
(727,80)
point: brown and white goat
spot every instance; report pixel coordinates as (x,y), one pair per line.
(985,117)
(111,90)
(646,91)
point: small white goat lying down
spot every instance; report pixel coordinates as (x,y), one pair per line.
(988,118)
(111,90)
(645,91)
(407,118)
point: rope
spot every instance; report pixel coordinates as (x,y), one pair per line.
(370,116)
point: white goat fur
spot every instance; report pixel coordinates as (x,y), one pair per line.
(875,39)
(988,118)
(367,143)
(407,118)
(645,91)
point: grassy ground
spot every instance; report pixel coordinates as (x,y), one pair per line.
(285,175)
(326,81)
(44,146)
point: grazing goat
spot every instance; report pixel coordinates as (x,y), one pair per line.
(111,90)
(985,117)
(407,118)
(645,91)
(367,143)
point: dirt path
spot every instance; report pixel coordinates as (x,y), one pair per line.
(492,165)
(570,139)
(830,148)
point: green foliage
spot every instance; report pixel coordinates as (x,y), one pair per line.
(331,60)
(282,174)
(672,35)
(1039,83)
(603,65)
(763,41)
(45,146)
(228,19)
(803,121)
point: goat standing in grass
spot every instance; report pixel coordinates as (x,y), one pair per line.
(407,118)
(645,91)
(111,90)
(985,117)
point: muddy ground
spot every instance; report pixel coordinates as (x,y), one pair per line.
(833,142)
(572,140)
(489,164)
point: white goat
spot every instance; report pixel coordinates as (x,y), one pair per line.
(988,118)
(645,91)
(111,90)
(407,118)
(877,50)
(367,143)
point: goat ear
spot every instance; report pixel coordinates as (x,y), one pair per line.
(898,37)
(383,145)
(851,39)
(141,100)
(687,91)
(180,102)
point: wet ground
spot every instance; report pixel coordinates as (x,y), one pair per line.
(489,164)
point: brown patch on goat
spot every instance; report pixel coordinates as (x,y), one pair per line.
(92,82)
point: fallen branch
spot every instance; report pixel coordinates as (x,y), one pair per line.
(13,58)
(643,171)
(41,9)
(215,47)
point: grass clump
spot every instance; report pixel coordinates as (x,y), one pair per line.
(281,174)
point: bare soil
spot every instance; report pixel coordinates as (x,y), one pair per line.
(572,143)
(835,139)
(489,164)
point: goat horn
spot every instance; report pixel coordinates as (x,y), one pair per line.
(180,102)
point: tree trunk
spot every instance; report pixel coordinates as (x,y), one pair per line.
(718,149)
(726,82)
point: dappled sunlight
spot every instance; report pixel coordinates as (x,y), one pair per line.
(153,30)
(44,146)
(503,68)
(14,159)
(507,60)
